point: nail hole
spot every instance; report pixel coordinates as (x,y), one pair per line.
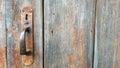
(52,32)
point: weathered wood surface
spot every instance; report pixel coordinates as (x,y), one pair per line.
(13,27)
(69,33)
(38,35)
(107,34)
(2,35)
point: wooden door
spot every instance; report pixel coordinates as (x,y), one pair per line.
(67,33)
(10,33)
(107,34)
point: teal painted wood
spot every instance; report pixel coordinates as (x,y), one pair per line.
(69,33)
(2,35)
(38,33)
(107,34)
(13,31)
(13,27)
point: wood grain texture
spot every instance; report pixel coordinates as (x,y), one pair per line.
(13,30)
(107,34)
(69,33)
(38,33)
(13,11)
(2,35)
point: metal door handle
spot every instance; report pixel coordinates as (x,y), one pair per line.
(23,35)
(26,37)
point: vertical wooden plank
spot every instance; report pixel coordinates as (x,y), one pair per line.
(2,35)
(14,28)
(38,33)
(107,34)
(69,33)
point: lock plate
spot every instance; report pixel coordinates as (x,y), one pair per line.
(26,21)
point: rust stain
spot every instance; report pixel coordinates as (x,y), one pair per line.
(2,57)
(28,9)
(27,60)
(15,50)
(75,32)
(82,51)
(29,41)
(72,58)
(16,58)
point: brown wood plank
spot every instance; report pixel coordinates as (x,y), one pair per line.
(69,33)
(107,34)
(2,35)
(14,28)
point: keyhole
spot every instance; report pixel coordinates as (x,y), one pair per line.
(26,17)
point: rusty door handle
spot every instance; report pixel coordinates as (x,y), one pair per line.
(23,35)
(26,37)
